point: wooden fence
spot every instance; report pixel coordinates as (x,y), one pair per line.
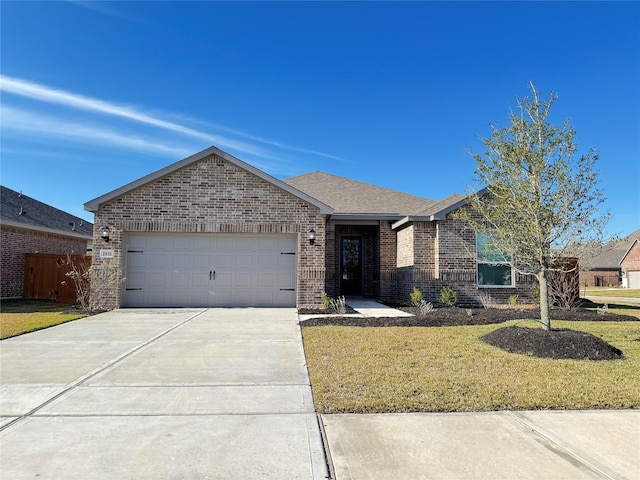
(44,275)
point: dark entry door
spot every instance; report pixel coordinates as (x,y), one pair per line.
(351,266)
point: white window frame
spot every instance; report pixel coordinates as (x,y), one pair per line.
(495,263)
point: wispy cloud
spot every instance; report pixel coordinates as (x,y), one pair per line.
(50,95)
(53,127)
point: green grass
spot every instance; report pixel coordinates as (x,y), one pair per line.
(405,369)
(24,316)
(609,292)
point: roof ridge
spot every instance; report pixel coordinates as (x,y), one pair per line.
(358,182)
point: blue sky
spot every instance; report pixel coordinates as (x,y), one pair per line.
(97,94)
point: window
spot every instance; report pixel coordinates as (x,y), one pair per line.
(495,269)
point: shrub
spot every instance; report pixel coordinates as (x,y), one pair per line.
(339,305)
(424,308)
(486,300)
(513,300)
(535,293)
(448,297)
(86,277)
(416,297)
(326,301)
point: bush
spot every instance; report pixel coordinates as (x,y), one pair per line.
(338,305)
(513,300)
(416,297)
(326,301)
(448,297)
(424,308)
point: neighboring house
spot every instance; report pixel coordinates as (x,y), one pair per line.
(211,230)
(30,226)
(630,264)
(603,270)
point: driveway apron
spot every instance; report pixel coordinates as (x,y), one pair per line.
(160,393)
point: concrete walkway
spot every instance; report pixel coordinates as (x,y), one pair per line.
(550,445)
(160,394)
(366,307)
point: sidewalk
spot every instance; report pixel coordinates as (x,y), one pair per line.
(529,445)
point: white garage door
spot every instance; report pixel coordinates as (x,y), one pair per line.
(202,270)
(634,279)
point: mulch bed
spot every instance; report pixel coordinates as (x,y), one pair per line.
(557,343)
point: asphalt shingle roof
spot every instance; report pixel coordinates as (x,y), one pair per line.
(612,253)
(19,208)
(348,196)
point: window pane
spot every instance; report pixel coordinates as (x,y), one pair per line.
(498,275)
(487,252)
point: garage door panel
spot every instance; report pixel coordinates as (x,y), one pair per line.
(182,260)
(222,261)
(266,261)
(266,280)
(223,280)
(180,279)
(242,280)
(178,270)
(285,262)
(241,298)
(160,242)
(157,280)
(136,260)
(156,259)
(200,280)
(245,244)
(243,262)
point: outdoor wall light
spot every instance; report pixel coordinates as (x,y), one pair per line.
(312,236)
(105,234)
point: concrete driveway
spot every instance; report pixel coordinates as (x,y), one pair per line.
(137,394)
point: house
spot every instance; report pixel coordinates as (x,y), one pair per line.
(212,230)
(630,264)
(603,270)
(30,226)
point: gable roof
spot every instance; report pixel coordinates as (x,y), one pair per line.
(352,198)
(629,250)
(19,210)
(93,205)
(612,254)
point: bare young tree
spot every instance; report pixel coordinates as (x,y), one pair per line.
(541,202)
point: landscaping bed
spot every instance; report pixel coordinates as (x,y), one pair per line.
(532,341)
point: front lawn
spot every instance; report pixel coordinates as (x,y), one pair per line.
(444,369)
(610,292)
(24,316)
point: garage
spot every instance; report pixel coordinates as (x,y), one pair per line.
(634,279)
(209,270)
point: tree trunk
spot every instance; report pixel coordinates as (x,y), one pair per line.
(544,299)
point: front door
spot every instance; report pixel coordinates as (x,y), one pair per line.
(351,265)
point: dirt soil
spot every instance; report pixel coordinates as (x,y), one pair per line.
(558,344)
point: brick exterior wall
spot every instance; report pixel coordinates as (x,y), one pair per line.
(212,196)
(15,242)
(388,261)
(405,256)
(600,278)
(444,255)
(631,262)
